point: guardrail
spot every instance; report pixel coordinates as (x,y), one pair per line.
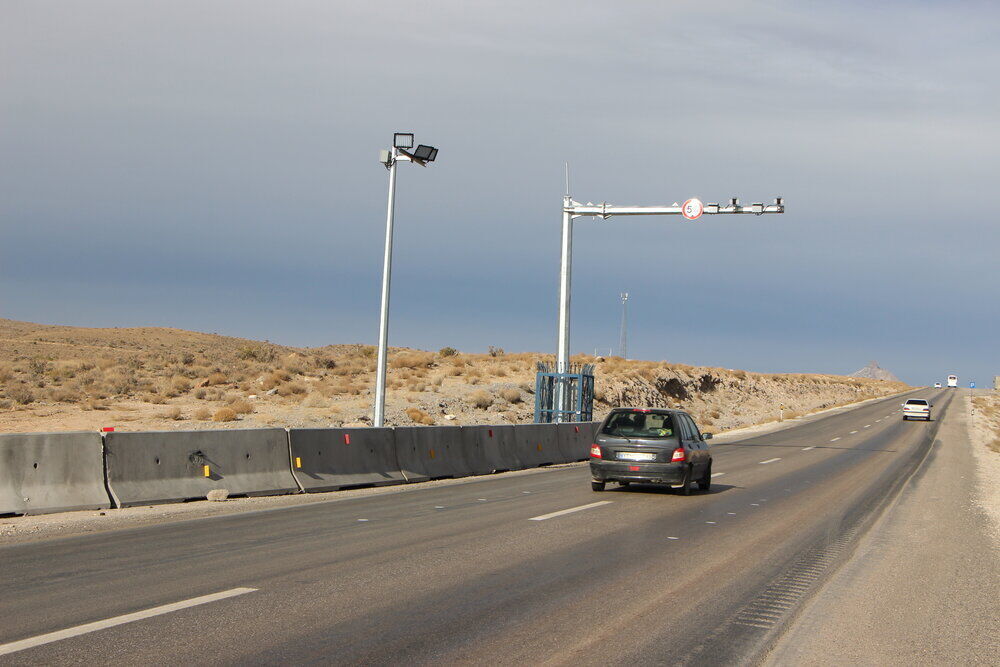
(54,472)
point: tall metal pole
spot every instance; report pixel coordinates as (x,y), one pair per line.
(565,278)
(383,322)
(623,341)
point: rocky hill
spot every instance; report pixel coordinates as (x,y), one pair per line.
(875,372)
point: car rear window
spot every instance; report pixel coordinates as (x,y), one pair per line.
(916,401)
(639,425)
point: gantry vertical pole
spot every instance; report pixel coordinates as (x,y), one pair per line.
(565,280)
(383,323)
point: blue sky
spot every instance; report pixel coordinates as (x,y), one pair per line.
(213,166)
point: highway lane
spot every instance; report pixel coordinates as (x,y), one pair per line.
(466,572)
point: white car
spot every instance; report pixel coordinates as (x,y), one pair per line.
(937,385)
(917,408)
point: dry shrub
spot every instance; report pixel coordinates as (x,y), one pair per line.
(291,389)
(21,394)
(314,400)
(437,380)
(64,395)
(412,360)
(180,384)
(6,373)
(241,406)
(200,394)
(94,404)
(511,394)
(447,352)
(324,362)
(202,414)
(216,378)
(173,413)
(480,399)
(454,370)
(527,387)
(154,398)
(120,382)
(418,416)
(5,403)
(224,415)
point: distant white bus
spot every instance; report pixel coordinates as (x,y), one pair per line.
(952,380)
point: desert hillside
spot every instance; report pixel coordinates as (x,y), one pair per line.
(55,378)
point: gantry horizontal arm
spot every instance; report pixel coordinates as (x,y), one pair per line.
(607,210)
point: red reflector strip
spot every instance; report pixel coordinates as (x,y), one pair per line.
(108,429)
(633,467)
(347,438)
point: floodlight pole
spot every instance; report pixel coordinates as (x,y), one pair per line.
(573,209)
(383,320)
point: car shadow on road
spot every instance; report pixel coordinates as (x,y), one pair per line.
(659,489)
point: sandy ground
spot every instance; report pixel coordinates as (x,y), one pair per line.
(984,429)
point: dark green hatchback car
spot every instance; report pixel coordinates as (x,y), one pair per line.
(651,446)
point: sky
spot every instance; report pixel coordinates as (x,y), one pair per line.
(214,166)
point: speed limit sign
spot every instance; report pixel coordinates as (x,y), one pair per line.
(692,209)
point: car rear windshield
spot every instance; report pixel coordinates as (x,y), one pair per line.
(916,401)
(639,425)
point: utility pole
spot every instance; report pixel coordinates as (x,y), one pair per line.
(692,209)
(623,338)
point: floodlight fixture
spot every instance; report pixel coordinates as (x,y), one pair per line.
(402,140)
(425,153)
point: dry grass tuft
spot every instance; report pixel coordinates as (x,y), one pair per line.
(21,394)
(224,415)
(412,360)
(202,414)
(314,400)
(418,416)
(512,395)
(241,406)
(480,399)
(173,413)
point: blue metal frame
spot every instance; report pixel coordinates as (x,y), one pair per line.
(579,386)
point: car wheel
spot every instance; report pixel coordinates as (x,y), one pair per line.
(685,488)
(624,483)
(905,418)
(596,486)
(705,483)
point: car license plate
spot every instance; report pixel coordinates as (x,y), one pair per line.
(636,456)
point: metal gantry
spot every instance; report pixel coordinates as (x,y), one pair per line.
(690,209)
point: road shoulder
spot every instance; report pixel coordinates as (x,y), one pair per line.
(923,586)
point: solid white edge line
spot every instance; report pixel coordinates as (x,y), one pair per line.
(769,461)
(543,517)
(48,638)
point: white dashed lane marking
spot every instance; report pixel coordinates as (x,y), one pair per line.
(835,439)
(806,449)
(76,631)
(570,510)
(770,461)
(718,474)
(853,432)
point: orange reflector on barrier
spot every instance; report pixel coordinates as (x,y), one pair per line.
(298,461)
(432,453)
(538,446)
(208,471)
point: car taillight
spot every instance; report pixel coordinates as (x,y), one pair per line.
(595,452)
(678,455)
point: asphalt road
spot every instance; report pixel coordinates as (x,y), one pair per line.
(477,571)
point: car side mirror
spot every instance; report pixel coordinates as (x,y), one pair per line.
(706,436)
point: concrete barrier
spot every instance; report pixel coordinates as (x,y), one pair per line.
(327,459)
(51,472)
(488,449)
(574,440)
(430,452)
(169,466)
(537,444)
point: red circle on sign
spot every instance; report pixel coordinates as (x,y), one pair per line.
(692,209)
